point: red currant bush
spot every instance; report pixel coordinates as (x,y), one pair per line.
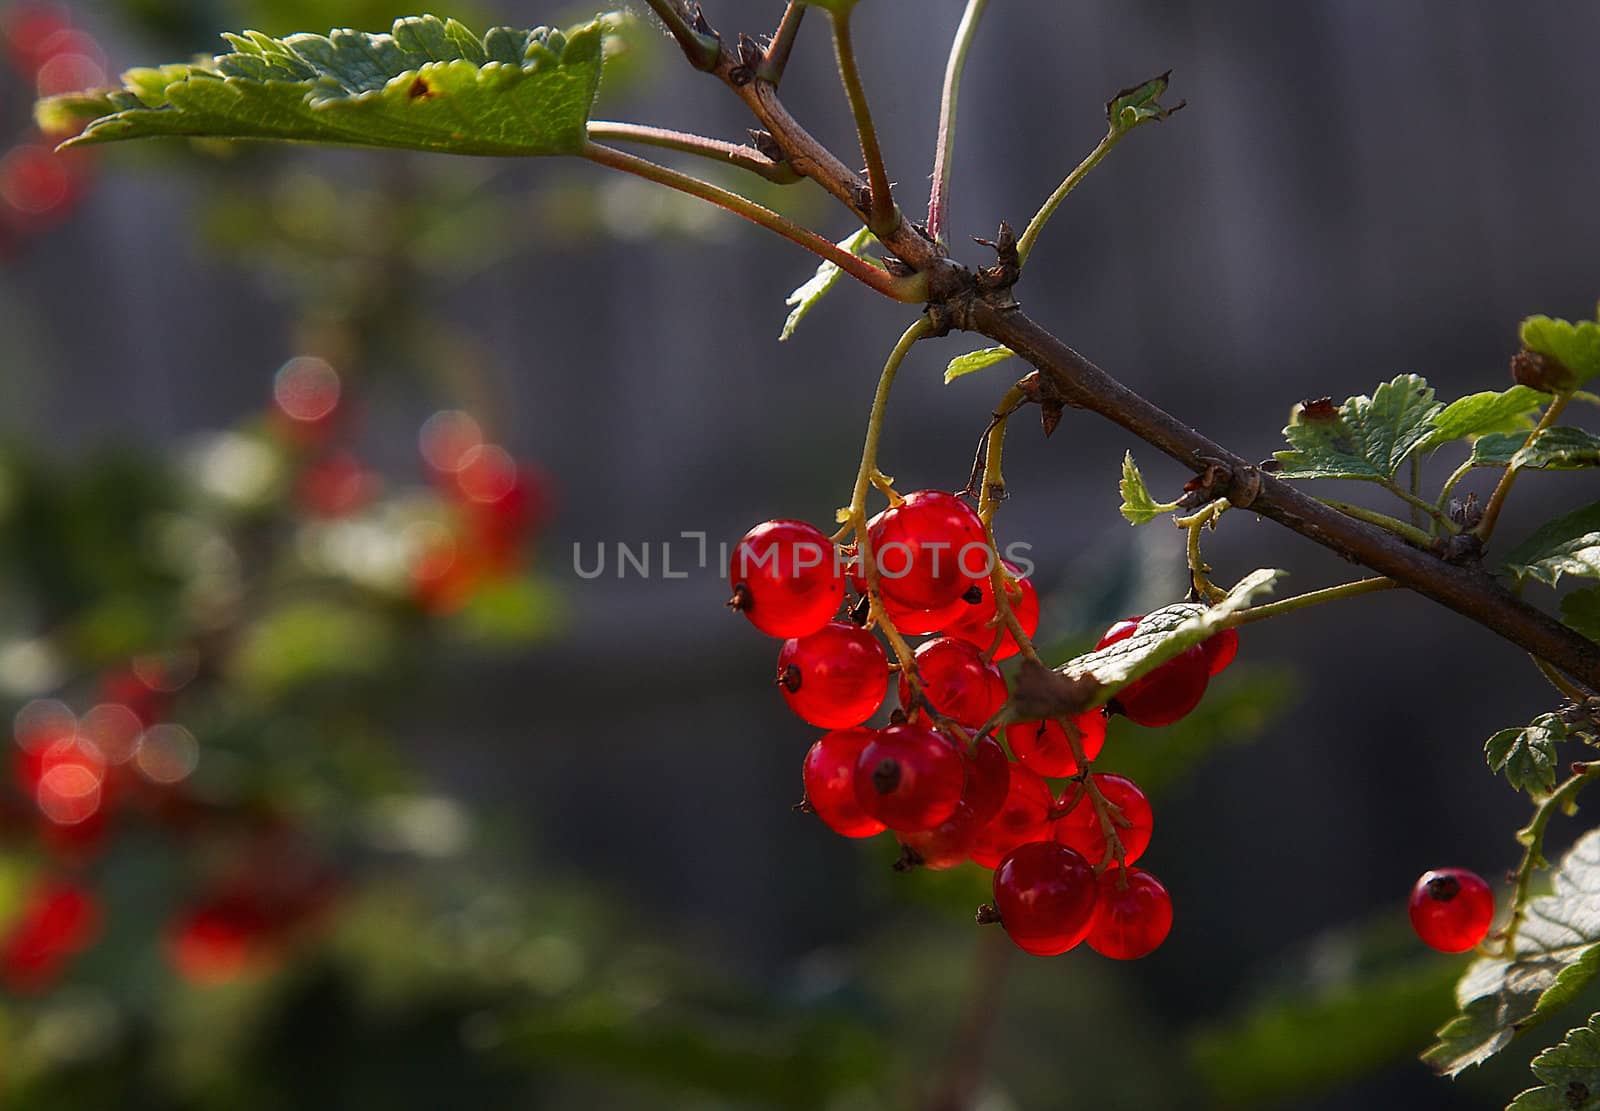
(1451,909)
(930,549)
(1045,895)
(957,682)
(1043,745)
(979,624)
(910,778)
(1080,826)
(1132,915)
(786,578)
(829,774)
(836,677)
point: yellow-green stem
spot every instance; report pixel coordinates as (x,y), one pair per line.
(1309,599)
(1382,520)
(1502,490)
(989,499)
(1036,225)
(1532,837)
(856,515)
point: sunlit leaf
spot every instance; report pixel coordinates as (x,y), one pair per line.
(1365,438)
(1570,1074)
(974,361)
(805,298)
(1527,755)
(1568,545)
(1137,504)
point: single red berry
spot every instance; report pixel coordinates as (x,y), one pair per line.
(1024,816)
(988,782)
(829,773)
(58,921)
(1080,826)
(957,681)
(216,942)
(921,622)
(1043,745)
(1132,915)
(1451,909)
(910,777)
(786,578)
(836,677)
(1166,694)
(1220,650)
(336,486)
(1045,894)
(978,625)
(929,549)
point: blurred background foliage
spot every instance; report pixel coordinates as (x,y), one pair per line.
(333,787)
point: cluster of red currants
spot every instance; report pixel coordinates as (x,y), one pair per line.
(492,504)
(936,775)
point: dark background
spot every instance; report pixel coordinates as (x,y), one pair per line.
(1356,189)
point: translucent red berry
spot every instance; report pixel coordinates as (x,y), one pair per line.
(1132,915)
(829,773)
(929,549)
(978,624)
(1080,827)
(1220,650)
(1451,909)
(910,777)
(1045,894)
(913,622)
(951,842)
(1169,692)
(1024,816)
(786,578)
(957,681)
(836,677)
(1043,745)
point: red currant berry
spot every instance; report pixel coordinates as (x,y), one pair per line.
(1451,909)
(830,780)
(836,677)
(786,578)
(1023,817)
(1166,694)
(1045,894)
(978,625)
(921,622)
(1132,915)
(1043,745)
(950,843)
(957,682)
(1080,826)
(910,778)
(1221,649)
(59,920)
(929,549)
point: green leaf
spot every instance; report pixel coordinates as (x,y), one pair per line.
(1576,346)
(429,84)
(1137,504)
(1568,545)
(1569,1072)
(1497,449)
(975,361)
(1161,635)
(1559,449)
(1581,611)
(1365,438)
(1481,413)
(1140,104)
(1527,755)
(806,297)
(1556,953)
